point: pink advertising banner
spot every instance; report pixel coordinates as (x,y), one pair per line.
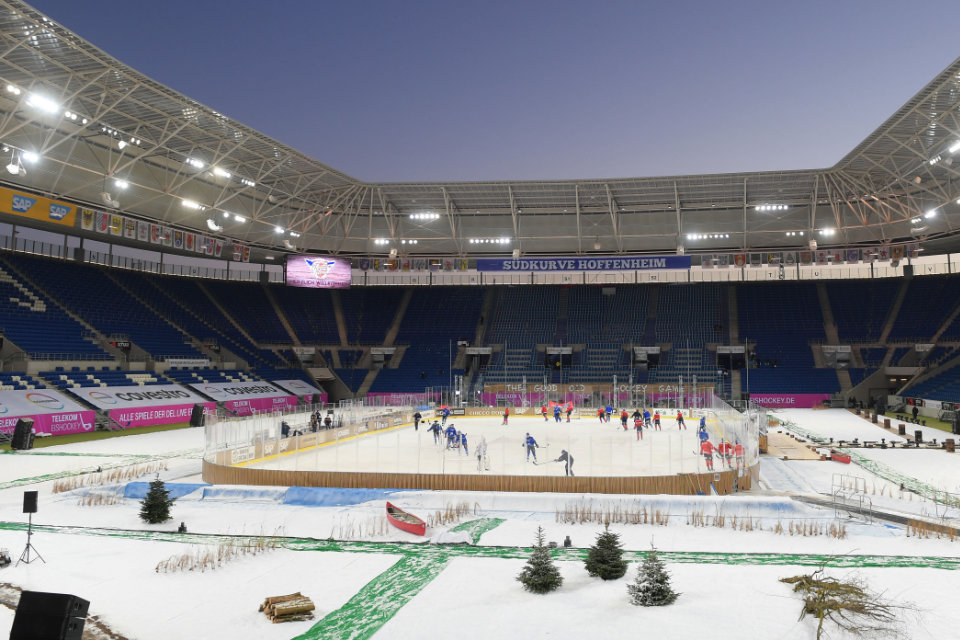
(789,400)
(260,405)
(132,417)
(52,413)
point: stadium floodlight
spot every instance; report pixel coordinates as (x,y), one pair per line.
(294,234)
(192,204)
(930,214)
(249,183)
(239,218)
(30,156)
(121,184)
(43,103)
(196,164)
(221,173)
(278,229)
(12,89)
(954,147)
(121,144)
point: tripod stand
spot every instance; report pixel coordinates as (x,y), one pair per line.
(25,556)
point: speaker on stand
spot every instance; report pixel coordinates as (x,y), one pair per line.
(52,616)
(30,508)
(196,416)
(22,435)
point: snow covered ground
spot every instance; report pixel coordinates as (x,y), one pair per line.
(390,584)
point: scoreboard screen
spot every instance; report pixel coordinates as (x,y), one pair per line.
(317,272)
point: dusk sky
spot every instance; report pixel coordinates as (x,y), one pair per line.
(430,91)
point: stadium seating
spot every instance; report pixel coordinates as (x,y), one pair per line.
(35,323)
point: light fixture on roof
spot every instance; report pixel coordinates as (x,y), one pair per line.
(380,241)
(222,173)
(249,183)
(213,226)
(772,207)
(121,184)
(930,214)
(827,232)
(12,89)
(278,229)
(954,147)
(43,103)
(15,167)
(30,156)
(239,218)
(425,216)
(294,234)
(192,204)
(121,144)
(195,163)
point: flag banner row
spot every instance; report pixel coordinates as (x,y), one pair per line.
(880,253)
(413,264)
(118,225)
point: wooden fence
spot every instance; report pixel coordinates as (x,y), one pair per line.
(680,484)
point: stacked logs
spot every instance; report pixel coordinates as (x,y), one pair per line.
(289,608)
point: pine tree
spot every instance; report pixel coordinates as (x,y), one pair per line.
(155,508)
(652,585)
(605,558)
(540,575)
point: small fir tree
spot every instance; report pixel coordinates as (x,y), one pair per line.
(540,575)
(605,558)
(155,508)
(652,585)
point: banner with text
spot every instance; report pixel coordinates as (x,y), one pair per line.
(27,205)
(790,400)
(245,398)
(593,263)
(301,389)
(52,412)
(138,406)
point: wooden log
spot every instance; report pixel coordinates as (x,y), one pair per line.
(288,608)
(276,599)
(295,618)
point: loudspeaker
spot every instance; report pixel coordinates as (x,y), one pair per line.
(196,417)
(264,277)
(29,501)
(52,616)
(23,434)
(908,271)
(78,254)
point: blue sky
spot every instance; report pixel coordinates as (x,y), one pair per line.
(428,91)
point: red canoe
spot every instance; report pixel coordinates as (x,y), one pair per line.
(406,521)
(836,456)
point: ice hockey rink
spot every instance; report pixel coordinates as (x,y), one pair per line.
(598,449)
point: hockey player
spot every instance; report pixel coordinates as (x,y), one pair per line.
(656,419)
(463,444)
(451,436)
(680,424)
(482,462)
(556,413)
(566,457)
(707,449)
(543,412)
(569,411)
(638,425)
(726,450)
(702,433)
(416,420)
(738,452)
(600,414)
(646,418)
(435,430)
(607,410)
(532,447)
(623,419)
(444,415)
(703,422)
(506,414)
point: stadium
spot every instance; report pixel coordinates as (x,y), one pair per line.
(756,373)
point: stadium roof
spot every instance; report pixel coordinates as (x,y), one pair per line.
(94,121)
